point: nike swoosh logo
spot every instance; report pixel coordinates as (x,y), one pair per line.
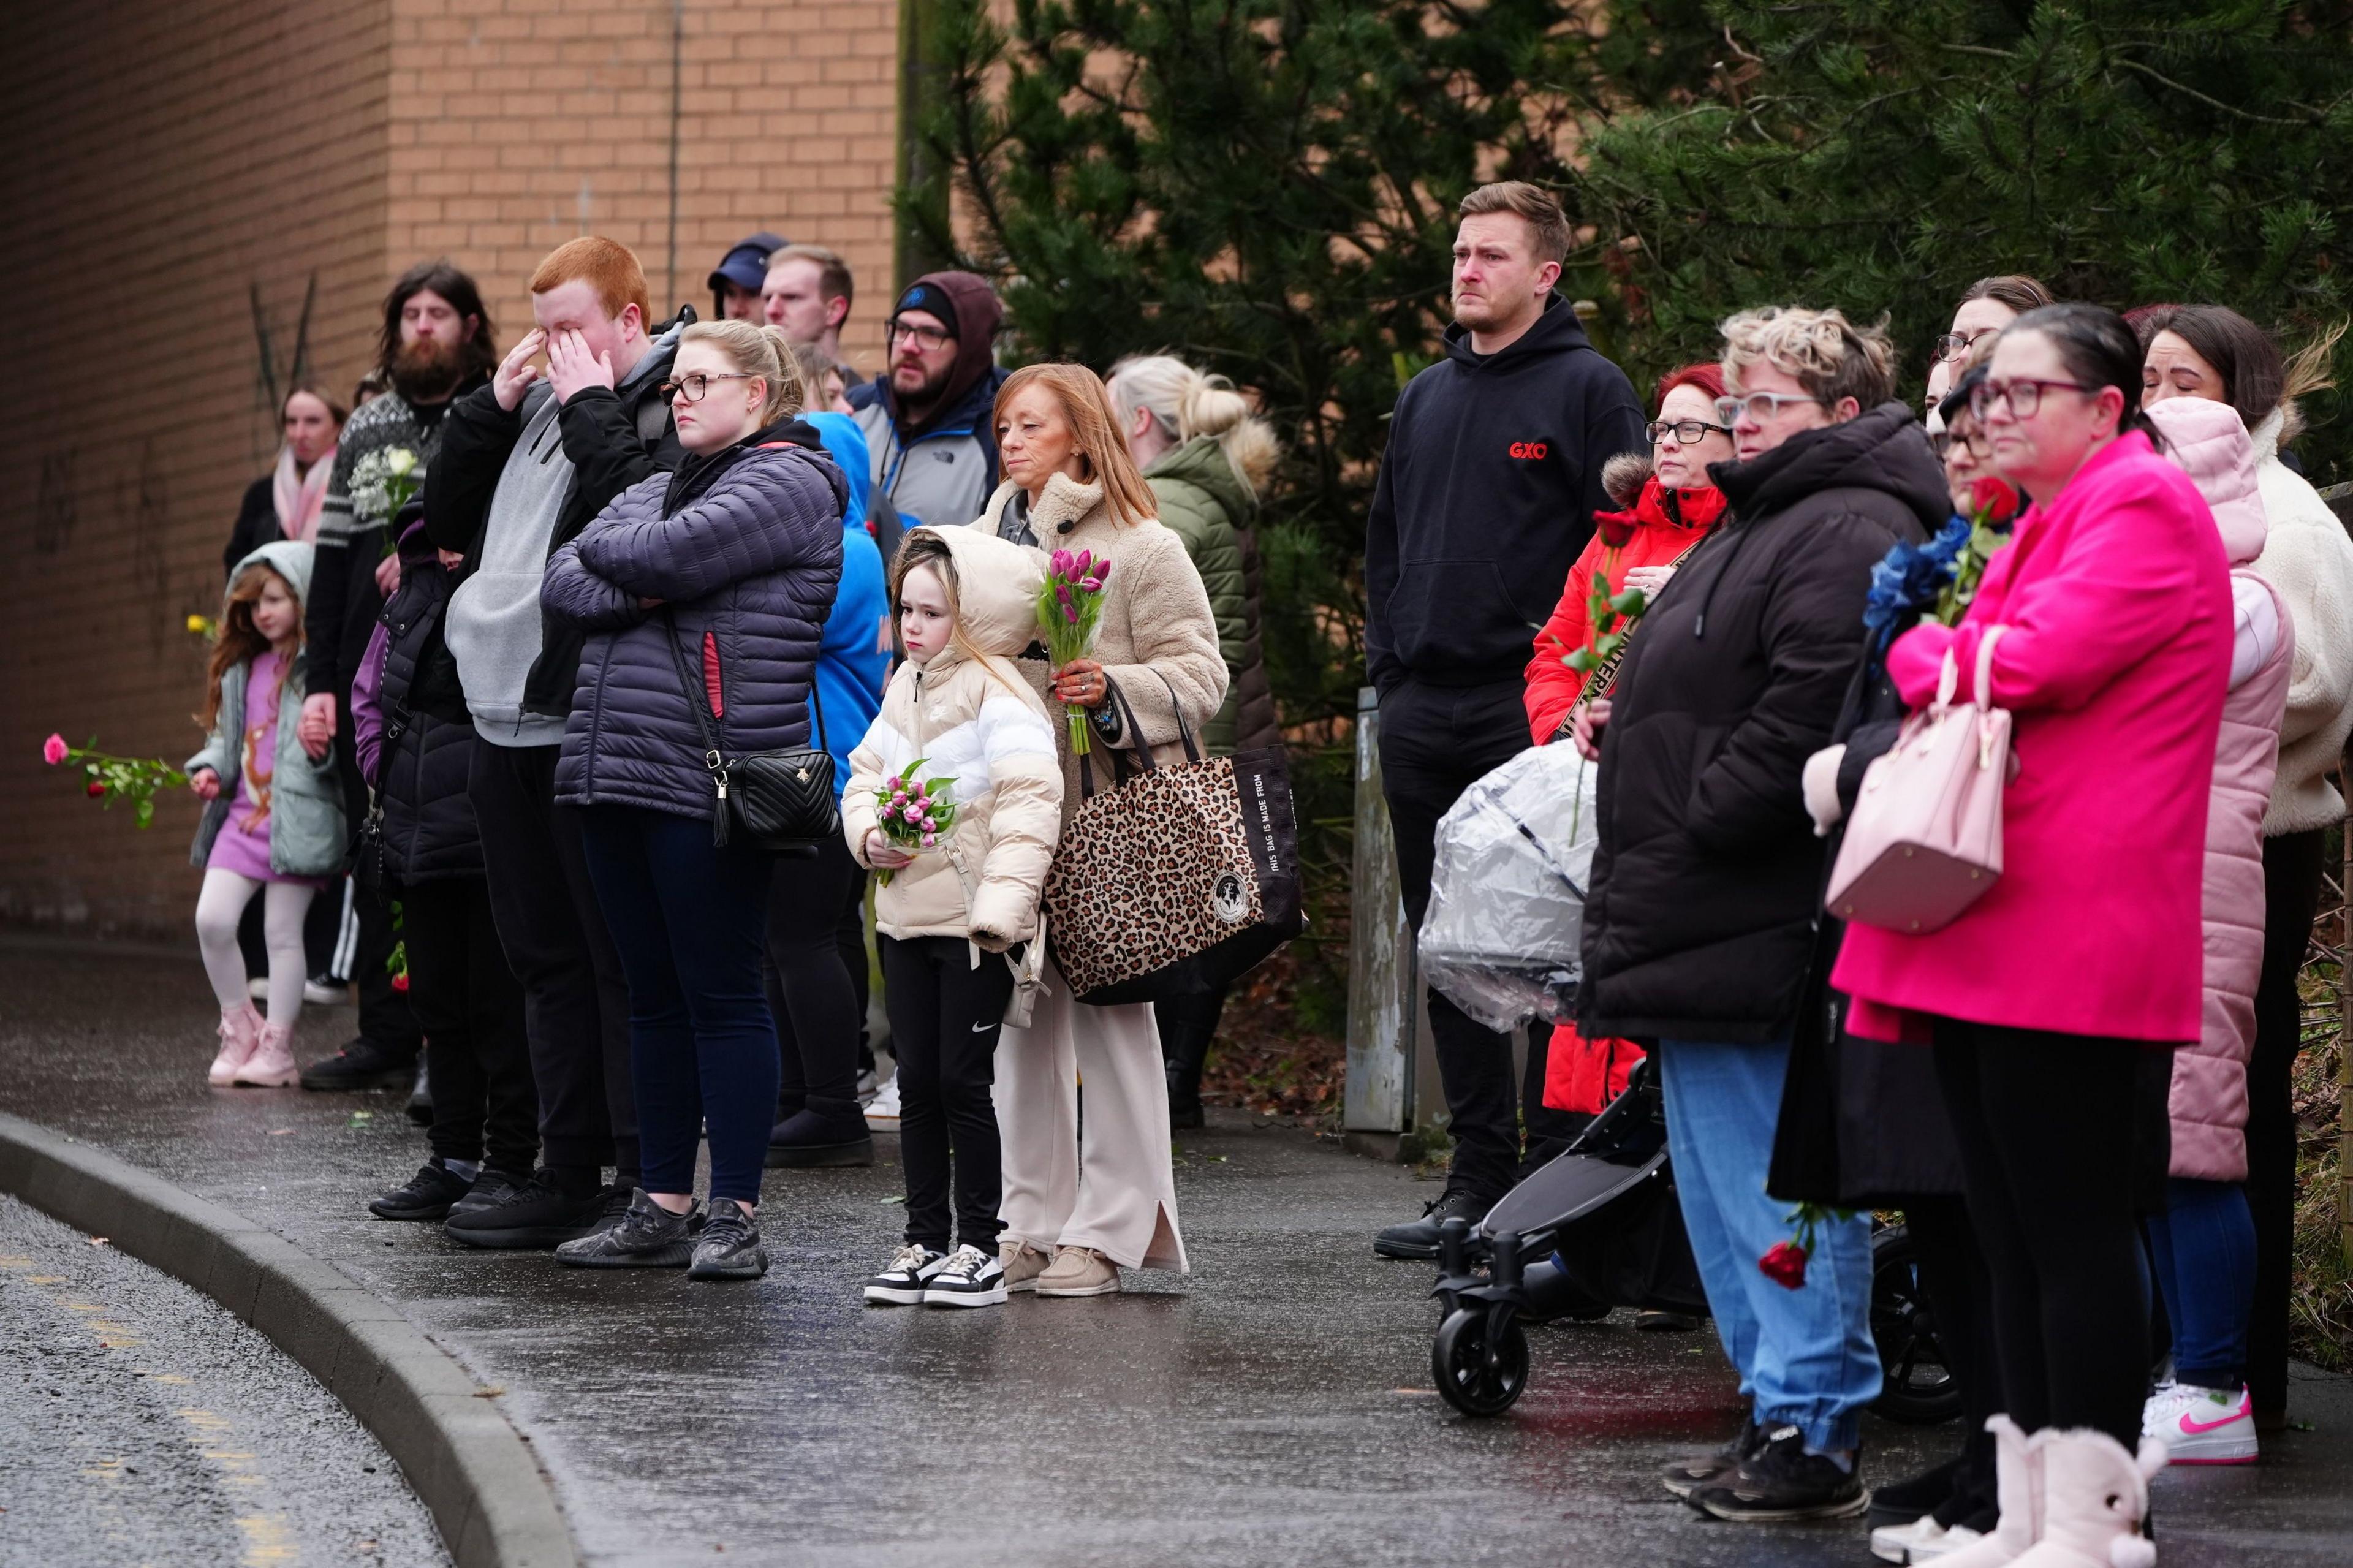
(2193,1428)
(982,1029)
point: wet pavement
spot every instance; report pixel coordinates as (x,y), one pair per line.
(141,1424)
(1274,1406)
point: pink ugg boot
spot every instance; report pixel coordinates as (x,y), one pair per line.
(2094,1495)
(272,1066)
(241,1031)
(2017,1478)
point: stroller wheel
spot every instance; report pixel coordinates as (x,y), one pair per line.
(1476,1377)
(1920,1389)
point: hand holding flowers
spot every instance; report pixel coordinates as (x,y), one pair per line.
(107,778)
(910,814)
(1070,608)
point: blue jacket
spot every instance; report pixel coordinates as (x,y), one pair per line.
(744,548)
(854,664)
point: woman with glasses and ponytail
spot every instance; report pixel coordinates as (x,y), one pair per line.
(2050,1000)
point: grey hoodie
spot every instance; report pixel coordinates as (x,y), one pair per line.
(492,626)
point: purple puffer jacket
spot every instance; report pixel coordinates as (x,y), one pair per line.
(745,550)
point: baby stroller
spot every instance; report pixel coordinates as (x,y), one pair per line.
(1599,1228)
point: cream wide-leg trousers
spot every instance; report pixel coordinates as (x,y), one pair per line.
(1111,1189)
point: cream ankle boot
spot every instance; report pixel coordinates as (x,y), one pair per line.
(2094,1495)
(241,1031)
(272,1065)
(2017,1476)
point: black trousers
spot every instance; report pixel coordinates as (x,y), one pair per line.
(818,998)
(470,1004)
(2292,876)
(576,1002)
(1436,742)
(1954,1278)
(2050,1156)
(945,1021)
(1188,1028)
(386,1019)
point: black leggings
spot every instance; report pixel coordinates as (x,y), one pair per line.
(2046,1127)
(470,1004)
(2292,874)
(816,1003)
(1960,1295)
(945,1021)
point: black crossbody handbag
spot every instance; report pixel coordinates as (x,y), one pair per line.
(782,802)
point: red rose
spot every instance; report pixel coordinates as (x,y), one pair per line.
(1617,528)
(400,983)
(1993,499)
(1785,1264)
(96,789)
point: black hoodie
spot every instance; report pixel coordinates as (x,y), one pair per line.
(1487,493)
(1707,876)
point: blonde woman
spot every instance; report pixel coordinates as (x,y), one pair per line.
(1206,459)
(1080,1206)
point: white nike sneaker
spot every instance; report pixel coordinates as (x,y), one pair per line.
(2201,1425)
(1897,1542)
(882,1110)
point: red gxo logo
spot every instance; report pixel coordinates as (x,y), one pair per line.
(1530,451)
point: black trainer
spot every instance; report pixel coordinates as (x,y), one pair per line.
(809,1139)
(1686,1477)
(361,1064)
(730,1247)
(488,1185)
(429,1195)
(1906,1500)
(536,1215)
(648,1236)
(1419,1238)
(1783,1482)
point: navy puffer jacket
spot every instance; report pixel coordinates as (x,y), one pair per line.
(744,549)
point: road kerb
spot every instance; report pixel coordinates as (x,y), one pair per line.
(476,1475)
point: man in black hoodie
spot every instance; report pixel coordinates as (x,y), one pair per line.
(1486,495)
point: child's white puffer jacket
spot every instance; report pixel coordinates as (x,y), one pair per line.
(978,723)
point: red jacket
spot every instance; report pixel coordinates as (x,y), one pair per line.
(1663,525)
(1580,1074)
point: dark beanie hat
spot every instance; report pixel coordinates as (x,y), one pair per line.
(968,308)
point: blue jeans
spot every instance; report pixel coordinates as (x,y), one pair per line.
(1806,1357)
(691,921)
(2204,1248)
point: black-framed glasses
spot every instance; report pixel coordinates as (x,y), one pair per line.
(1686,432)
(1953,346)
(2023,396)
(929,339)
(1979,444)
(1759,405)
(691,387)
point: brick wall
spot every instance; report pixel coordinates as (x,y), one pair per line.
(166,159)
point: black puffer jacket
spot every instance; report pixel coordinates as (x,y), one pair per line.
(428,737)
(1707,876)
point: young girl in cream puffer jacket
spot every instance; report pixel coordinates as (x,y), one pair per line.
(966,605)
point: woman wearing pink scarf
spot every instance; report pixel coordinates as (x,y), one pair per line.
(284,503)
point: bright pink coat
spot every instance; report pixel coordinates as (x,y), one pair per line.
(2116,593)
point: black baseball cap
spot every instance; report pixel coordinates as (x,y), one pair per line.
(747,266)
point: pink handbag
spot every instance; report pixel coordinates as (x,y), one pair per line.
(1924,842)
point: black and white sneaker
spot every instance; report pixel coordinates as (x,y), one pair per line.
(969,1278)
(648,1236)
(902,1282)
(730,1247)
(1782,1482)
(1686,1477)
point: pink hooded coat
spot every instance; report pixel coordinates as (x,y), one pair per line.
(2209,1101)
(2117,600)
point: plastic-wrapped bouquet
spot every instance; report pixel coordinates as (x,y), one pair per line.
(1070,607)
(382,481)
(1936,581)
(915,813)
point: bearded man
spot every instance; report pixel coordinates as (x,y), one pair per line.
(926,418)
(437,343)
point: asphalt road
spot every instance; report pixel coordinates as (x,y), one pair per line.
(141,1424)
(1273,1407)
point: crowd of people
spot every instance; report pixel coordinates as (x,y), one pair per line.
(495,641)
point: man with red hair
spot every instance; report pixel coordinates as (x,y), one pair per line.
(526,462)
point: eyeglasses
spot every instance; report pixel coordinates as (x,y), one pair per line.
(1760,407)
(2023,396)
(1953,346)
(1686,432)
(928,340)
(1980,444)
(690,388)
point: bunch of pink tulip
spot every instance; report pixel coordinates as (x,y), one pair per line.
(1070,607)
(915,813)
